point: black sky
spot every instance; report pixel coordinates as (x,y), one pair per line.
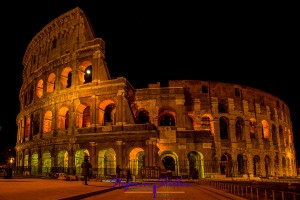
(147,41)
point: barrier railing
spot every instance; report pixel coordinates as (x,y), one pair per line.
(257,189)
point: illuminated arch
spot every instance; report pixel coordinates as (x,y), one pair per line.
(63,118)
(79,157)
(195,164)
(107,112)
(40,88)
(82,71)
(106,162)
(265,129)
(46,162)
(63,161)
(166,116)
(51,83)
(47,123)
(34,163)
(83,116)
(136,161)
(66,77)
(170,156)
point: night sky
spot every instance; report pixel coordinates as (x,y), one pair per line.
(250,45)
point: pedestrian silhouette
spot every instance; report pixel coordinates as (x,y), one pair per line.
(128,176)
(118,171)
(86,165)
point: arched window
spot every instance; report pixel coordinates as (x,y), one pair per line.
(36,123)
(252,127)
(86,120)
(143,117)
(63,118)
(222,107)
(47,122)
(66,77)
(108,114)
(88,74)
(239,127)
(224,128)
(274,135)
(51,83)
(265,129)
(205,123)
(40,88)
(167,120)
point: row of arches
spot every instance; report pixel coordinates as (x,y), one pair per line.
(193,165)
(167,117)
(84,74)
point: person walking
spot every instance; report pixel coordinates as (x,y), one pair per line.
(86,165)
(118,171)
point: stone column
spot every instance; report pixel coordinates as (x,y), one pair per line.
(71,157)
(40,161)
(94,112)
(54,119)
(29,158)
(247,134)
(259,136)
(119,152)
(151,156)
(147,156)
(71,163)
(120,114)
(250,165)
(183,158)
(262,167)
(280,166)
(180,110)
(93,155)
(75,74)
(232,135)
(93,158)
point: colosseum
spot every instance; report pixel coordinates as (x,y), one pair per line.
(70,107)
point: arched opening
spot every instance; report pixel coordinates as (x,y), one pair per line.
(166,120)
(136,161)
(226,167)
(107,163)
(170,163)
(51,83)
(47,124)
(83,116)
(79,157)
(62,161)
(34,163)
(222,106)
(66,77)
(196,165)
(40,88)
(256,166)
(241,165)
(63,118)
(224,123)
(239,128)
(143,117)
(268,166)
(88,74)
(46,163)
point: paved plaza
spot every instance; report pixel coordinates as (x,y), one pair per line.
(54,189)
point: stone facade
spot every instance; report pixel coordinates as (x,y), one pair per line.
(71,107)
